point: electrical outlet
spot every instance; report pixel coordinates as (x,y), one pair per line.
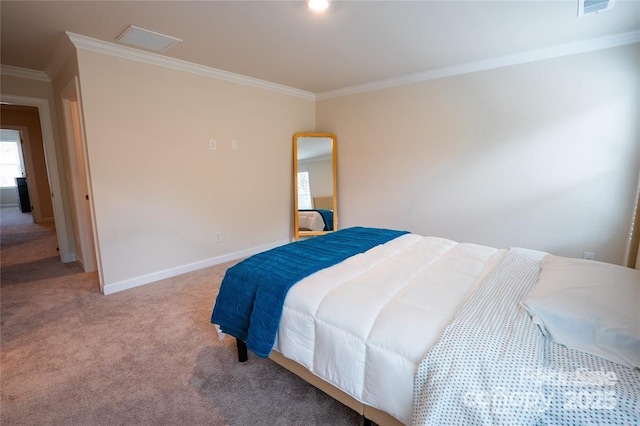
(212,144)
(234,145)
(588,255)
(218,237)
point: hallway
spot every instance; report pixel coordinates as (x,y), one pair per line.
(31,273)
(29,254)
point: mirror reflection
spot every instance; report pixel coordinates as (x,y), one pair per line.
(315,194)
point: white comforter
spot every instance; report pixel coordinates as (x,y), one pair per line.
(365,324)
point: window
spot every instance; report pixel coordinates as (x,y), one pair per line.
(304,191)
(11,163)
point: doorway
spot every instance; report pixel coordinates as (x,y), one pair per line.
(77,178)
(23,172)
(14,190)
(51,161)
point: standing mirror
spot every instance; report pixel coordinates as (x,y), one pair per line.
(315,198)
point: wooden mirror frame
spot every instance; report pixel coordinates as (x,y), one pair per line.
(297,233)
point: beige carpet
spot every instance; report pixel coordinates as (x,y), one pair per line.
(146,356)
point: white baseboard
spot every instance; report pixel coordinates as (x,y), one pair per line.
(179,270)
(10,205)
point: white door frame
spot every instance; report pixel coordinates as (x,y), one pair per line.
(77,177)
(67,253)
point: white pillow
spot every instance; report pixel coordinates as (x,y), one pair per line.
(590,306)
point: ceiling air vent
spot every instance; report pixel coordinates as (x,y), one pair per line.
(589,7)
(139,37)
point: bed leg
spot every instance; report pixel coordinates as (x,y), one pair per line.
(366,421)
(242,350)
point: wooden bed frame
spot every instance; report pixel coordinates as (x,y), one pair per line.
(368,413)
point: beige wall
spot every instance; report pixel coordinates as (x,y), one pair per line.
(8,197)
(20,86)
(542,155)
(160,194)
(10,117)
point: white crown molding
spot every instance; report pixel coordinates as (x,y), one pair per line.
(23,73)
(107,48)
(499,62)
(79,41)
(62,53)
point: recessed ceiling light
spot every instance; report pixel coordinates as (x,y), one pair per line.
(139,37)
(318,5)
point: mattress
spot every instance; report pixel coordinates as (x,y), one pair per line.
(365,324)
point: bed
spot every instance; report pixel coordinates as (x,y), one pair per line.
(315,220)
(424,330)
(318,219)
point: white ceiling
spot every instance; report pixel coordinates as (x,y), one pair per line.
(352,43)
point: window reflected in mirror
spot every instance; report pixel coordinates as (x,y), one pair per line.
(304,191)
(315,193)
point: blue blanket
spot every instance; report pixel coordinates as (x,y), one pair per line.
(251,298)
